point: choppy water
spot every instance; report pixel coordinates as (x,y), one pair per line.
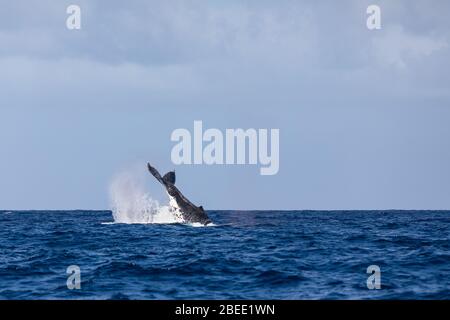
(250,254)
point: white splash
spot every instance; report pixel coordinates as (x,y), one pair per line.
(131,204)
(201,225)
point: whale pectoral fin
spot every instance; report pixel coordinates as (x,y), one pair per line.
(155,173)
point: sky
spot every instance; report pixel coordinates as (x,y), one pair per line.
(363,114)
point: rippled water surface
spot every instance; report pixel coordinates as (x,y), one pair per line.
(247,255)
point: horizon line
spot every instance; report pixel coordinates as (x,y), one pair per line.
(241,210)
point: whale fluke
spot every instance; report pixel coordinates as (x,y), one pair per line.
(169,177)
(190,212)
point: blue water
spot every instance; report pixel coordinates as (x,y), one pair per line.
(248,255)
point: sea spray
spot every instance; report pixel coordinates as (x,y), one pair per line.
(132,204)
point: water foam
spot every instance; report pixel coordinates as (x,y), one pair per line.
(132,204)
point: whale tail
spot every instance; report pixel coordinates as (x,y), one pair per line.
(191,212)
(156,174)
(169,177)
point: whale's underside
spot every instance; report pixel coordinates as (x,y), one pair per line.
(189,212)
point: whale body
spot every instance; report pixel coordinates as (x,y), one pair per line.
(180,205)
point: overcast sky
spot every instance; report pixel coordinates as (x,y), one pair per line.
(364,116)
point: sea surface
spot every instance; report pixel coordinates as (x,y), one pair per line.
(246,255)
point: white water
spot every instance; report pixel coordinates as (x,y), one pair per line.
(132,204)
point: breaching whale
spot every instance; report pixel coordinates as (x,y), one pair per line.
(189,212)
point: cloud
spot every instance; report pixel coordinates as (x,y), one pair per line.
(399,48)
(348,101)
(302,37)
(156,32)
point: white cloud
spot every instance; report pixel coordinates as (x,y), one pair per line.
(399,48)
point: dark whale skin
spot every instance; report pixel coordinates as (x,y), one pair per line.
(190,212)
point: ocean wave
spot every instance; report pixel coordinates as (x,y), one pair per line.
(313,255)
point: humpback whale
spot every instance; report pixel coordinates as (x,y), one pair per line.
(179,203)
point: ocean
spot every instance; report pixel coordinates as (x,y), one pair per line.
(244,255)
